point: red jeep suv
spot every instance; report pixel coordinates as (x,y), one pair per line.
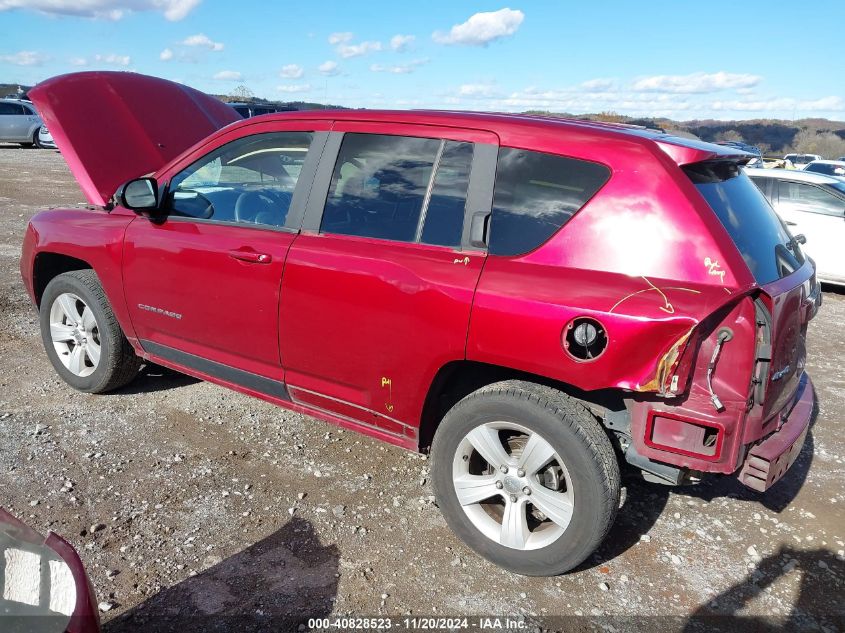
(536,301)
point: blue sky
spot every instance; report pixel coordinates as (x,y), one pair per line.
(684,60)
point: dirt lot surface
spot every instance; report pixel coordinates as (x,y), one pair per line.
(185,499)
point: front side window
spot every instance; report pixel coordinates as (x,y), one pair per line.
(796,196)
(249,181)
(399,188)
(535,195)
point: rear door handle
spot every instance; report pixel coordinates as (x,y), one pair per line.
(251,257)
(788,223)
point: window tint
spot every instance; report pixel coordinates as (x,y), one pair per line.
(378,186)
(250,180)
(535,195)
(830,169)
(10,108)
(444,219)
(794,196)
(758,233)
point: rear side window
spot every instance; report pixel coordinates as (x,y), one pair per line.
(796,196)
(399,188)
(10,108)
(444,219)
(758,233)
(535,195)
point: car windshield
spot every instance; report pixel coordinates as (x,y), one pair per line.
(827,168)
(761,237)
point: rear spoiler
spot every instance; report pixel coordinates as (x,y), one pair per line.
(685,151)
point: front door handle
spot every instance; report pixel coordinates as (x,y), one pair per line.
(251,257)
(788,223)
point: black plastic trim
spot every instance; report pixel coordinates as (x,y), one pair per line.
(261,384)
(482,178)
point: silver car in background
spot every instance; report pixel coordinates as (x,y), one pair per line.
(19,122)
(45,139)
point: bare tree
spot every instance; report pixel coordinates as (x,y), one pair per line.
(730,135)
(825,144)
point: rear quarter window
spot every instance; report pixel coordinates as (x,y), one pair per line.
(535,195)
(768,249)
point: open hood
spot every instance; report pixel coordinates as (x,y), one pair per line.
(114,126)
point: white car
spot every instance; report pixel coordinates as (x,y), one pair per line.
(812,205)
(45,139)
(829,167)
(800,161)
(19,122)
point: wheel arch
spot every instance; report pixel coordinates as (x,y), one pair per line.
(49,265)
(457,379)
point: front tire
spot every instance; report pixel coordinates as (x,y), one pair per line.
(526,477)
(81,335)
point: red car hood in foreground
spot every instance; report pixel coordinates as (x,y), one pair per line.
(43,585)
(113,126)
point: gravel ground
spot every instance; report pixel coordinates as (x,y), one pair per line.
(185,499)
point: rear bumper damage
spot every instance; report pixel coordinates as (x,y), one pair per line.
(767,461)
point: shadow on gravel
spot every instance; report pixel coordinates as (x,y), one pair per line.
(818,605)
(154,378)
(645,502)
(276,584)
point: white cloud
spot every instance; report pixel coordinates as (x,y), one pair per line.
(339,38)
(476,90)
(398,69)
(401,43)
(228,75)
(202,40)
(165,55)
(101,60)
(24,58)
(696,82)
(356,50)
(329,68)
(294,88)
(291,71)
(113,60)
(597,85)
(482,28)
(173,10)
(824,104)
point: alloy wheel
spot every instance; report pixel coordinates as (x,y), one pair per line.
(513,486)
(75,334)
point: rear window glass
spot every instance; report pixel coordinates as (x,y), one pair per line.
(758,233)
(535,195)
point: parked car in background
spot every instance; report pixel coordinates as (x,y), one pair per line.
(773,163)
(19,122)
(248,110)
(812,205)
(828,167)
(539,302)
(45,139)
(800,161)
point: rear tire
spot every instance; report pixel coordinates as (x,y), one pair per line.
(81,335)
(553,500)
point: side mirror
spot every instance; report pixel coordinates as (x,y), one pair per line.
(139,195)
(800,239)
